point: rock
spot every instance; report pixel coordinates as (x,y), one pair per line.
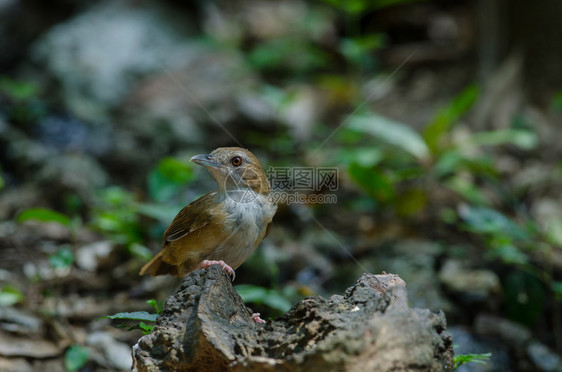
(181,98)
(19,321)
(45,230)
(15,365)
(415,260)
(80,308)
(509,332)
(17,199)
(546,212)
(98,55)
(14,346)
(543,358)
(268,20)
(302,112)
(205,326)
(178,108)
(77,172)
(476,285)
(51,365)
(118,354)
(62,133)
(89,256)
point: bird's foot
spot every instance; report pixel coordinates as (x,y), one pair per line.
(257,319)
(207,263)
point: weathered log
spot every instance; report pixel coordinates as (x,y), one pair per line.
(205,326)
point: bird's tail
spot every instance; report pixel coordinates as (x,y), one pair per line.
(157,266)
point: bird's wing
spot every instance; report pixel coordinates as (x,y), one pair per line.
(188,221)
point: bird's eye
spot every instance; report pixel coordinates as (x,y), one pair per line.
(236,161)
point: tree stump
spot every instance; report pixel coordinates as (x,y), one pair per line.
(205,326)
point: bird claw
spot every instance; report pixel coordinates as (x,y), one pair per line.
(257,319)
(228,269)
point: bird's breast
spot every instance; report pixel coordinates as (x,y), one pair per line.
(245,223)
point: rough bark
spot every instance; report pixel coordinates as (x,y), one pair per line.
(205,326)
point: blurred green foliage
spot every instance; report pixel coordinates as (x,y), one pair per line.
(76,357)
(360,6)
(445,118)
(115,215)
(19,100)
(400,169)
(18,90)
(461,359)
(43,215)
(62,259)
(279,300)
(168,178)
(10,295)
(291,54)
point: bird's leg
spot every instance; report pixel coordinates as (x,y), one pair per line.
(206,263)
(257,319)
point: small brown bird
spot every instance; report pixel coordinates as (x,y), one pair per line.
(224,226)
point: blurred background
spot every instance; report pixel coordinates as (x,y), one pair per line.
(442,118)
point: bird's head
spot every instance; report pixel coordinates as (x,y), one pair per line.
(235,168)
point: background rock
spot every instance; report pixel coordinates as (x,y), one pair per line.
(97,56)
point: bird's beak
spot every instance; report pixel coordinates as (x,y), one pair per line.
(205,160)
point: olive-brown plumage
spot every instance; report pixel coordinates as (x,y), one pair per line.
(224,225)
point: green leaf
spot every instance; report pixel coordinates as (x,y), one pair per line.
(259,295)
(391,132)
(168,178)
(62,259)
(251,293)
(468,190)
(116,196)
(158,306)
(135,315)
(489,221)
(76,357)
(10,295)
(461,359)
(288,53)
(146,328)
(364,156)
(43,215)
(522,138)
(140,251)
(162,213)
(448,116)
(359,50)
(18,90)
(354,7)
(373,181)
(448,163)
(508,253)
(275,300)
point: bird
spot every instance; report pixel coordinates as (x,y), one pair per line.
(223,227)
